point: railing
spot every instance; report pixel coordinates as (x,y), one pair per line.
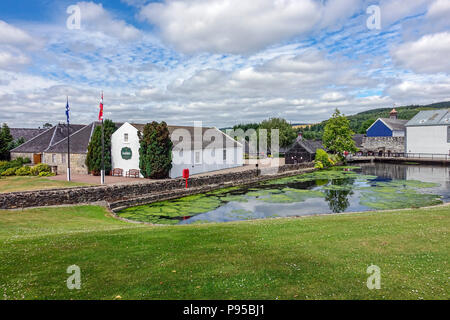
(432,156)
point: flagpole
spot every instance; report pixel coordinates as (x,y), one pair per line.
(103,150)
(68,141)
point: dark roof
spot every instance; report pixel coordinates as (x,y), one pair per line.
(26,133)
(79,140)
(395,124)
(358,138)
(209,135)
(431,118)
(46,139)
(309,145)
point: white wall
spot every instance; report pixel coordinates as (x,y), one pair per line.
(209,160)
(117,143)
(398,133)
(427,139)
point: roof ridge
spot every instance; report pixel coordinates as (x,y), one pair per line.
(23,144)
(65,138)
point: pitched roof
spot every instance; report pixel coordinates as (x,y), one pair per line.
(431,118)
(26,133)
(358,138)
(46,139)
(309,145)
(395,124)
(79,140)
(209,135)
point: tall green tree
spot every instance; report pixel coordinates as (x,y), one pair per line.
(286,133)
(155,152)
(94,155)
(6,141)
(337,136)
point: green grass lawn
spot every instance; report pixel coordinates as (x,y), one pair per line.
(322,257)
(28,183)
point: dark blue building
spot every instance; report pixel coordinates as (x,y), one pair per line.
(387,127)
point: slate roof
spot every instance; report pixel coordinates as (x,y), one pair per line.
(431,118)
(43,141)
(26,133)
(209,134)
(358,138)
(309,145)
(395,124)
(79,140)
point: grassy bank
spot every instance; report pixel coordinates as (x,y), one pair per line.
(29,183)
(323,257)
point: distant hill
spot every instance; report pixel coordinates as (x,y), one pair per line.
(361,121)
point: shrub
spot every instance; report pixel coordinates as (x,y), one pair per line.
(17,163)
(46,174)
(23,171)
(40,168)
(323,158)
(9,172)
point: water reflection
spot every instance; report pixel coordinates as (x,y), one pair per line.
(338,200)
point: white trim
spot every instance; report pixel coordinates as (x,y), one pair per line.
(239,144)
(381,121)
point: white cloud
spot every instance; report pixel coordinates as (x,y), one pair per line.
(11,35)
(235,26)
(429,54)
(11,60)
(95,18)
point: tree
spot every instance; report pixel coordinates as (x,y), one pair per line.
(6,140)
(47,125)
(155,152)
(286,133)
(94,155)
(365,125)
(337,135)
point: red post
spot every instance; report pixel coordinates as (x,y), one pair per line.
(186,176)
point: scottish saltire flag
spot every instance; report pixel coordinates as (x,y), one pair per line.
(100,113)
(67,110)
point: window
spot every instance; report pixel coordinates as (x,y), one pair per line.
(63,158)
(53,158)
(448,134)
(125,137)
(224,155)
(197,157)
(213,152)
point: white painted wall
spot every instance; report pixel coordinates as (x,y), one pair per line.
(427,139)
(398,133)
(118,142)
(210,159)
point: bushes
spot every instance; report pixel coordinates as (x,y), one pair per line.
(23,171)
(324,160)
(9,172)
(16,168)
(40,168)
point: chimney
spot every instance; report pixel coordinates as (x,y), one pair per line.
(300,136)
(393,114)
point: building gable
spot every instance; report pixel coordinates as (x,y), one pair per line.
(379,129)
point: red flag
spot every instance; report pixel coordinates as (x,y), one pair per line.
(100,114)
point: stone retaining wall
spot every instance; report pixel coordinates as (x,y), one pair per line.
(384,144)
(126,192)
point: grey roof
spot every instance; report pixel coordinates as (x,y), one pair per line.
(358,138)
(79,140)
(309,145)
(26,133)
(209,137)
(43,141)
(431,118)
(395,124)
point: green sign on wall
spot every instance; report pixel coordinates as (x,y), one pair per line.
(126,153)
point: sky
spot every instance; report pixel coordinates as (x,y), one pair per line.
(222,62)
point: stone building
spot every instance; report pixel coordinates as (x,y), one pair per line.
(385,136)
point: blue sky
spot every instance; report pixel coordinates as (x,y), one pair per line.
(219,61)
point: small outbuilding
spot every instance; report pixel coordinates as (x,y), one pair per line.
(302,151)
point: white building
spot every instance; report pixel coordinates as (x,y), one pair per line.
(429,133)
(195,148)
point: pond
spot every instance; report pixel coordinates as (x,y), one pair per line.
(341,189)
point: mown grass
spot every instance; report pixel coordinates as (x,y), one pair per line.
(29,183)
(322,257)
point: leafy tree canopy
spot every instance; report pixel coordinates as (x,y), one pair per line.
(337,135)
(155,152)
